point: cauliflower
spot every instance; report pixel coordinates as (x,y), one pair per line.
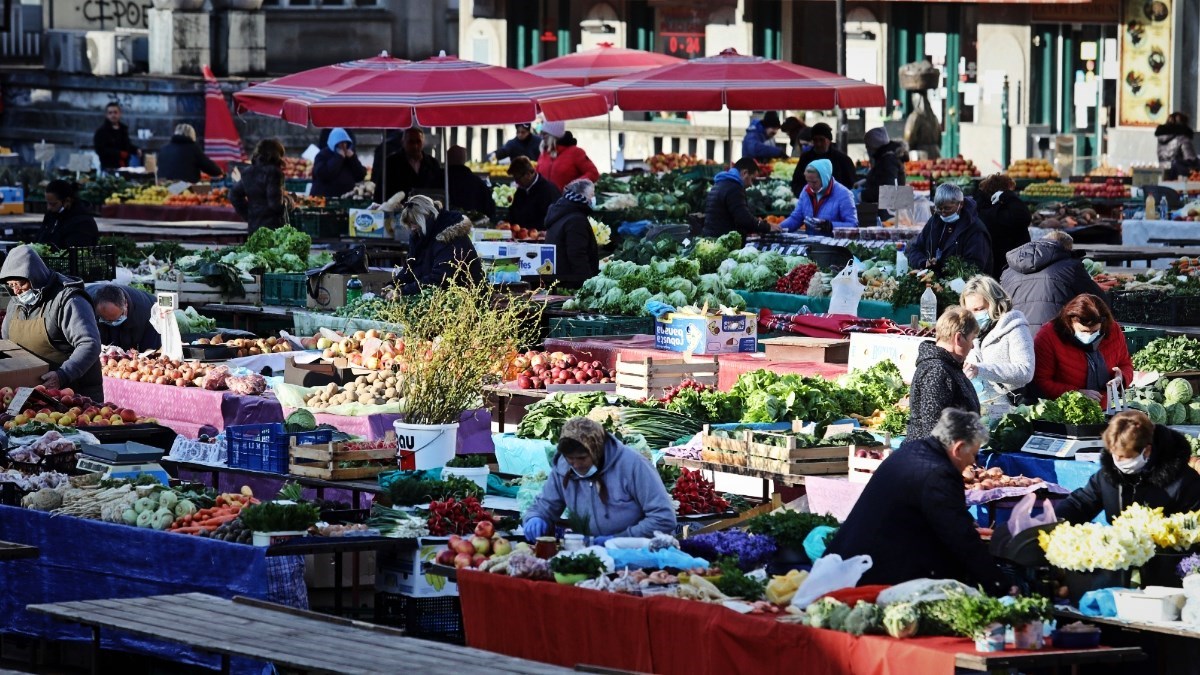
(901,619)
(866,617)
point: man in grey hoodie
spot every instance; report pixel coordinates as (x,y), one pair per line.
(51,316)
(605,481)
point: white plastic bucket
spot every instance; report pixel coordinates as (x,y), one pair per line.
(425,446)
(479,474)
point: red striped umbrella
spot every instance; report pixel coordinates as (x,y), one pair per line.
(738,82)
(222,143)
(602,63)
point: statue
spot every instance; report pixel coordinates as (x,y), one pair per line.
(922,131)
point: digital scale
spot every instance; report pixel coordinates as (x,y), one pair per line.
(122,460)
(1064,447)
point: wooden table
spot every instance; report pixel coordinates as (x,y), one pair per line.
(1002,662)
(287,637)
(212,231)
(249,315)
(1128,254)
(1177,629)
(1171,644)
(11,551)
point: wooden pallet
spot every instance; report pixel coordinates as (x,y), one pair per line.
(321,461)
(651,377)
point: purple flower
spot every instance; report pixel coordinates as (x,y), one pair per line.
(1190,565)
(751,550)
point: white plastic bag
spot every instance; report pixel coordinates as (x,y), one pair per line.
(162,319)
(847,291)
(1022,517)
(829,574)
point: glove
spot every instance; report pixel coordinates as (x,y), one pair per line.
(658,309)
(599,541)
(535,527)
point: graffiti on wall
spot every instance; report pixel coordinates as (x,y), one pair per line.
(98,14)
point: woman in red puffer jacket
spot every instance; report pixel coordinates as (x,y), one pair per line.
(1081,350)
(562,160)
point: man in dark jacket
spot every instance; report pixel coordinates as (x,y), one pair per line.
(1176,153)
(1042,277)
(887,166)
(405,166)
(441,247)
(911,518)
(525,144)
(183,159)
(759,142)
(68,221)
(111,141)
(1143,463)
(725,207)
(1005,216)
(577,256)
(468,192)
(938,381)
(337,169)
(533,197)
(124,316)
(823,147)
(954,230)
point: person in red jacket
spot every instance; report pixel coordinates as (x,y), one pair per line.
(1081,350)
(562,160)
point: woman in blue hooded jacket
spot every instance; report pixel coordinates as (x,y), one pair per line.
(822,199)
(336,169)
(603,481)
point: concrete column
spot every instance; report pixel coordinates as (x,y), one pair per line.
(239,43)
(179,42)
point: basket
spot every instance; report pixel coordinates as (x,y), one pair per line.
(289,290)
(919,80)
(264,447)
(587,326)
(438,618)
(89,263)
(1137,338)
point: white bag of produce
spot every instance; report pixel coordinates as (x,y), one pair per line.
(163,321)
(847,291)
(829,574)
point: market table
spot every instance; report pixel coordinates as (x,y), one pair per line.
(290,638)
(734,366)
(1172,647)
(186,409)
(787,303)
(167,214)
(666,635)
(248,317)
(229,479)
(1148,253)
(11,551)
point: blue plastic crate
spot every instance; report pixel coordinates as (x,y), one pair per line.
(264,447)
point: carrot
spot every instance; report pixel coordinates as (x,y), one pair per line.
(218,521)
(194,529)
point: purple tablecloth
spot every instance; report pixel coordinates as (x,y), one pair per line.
(835,496)
(186,409)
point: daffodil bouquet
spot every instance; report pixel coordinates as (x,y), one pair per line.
(1132,540)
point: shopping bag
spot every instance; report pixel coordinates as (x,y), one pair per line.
(1022,517)
(829,574)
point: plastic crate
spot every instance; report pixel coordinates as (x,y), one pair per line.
(347,204)
(321,223)
(437,618)
(264,447)
(289,290)
(587,326)
(90,263)
(1137,338)
(1153,307)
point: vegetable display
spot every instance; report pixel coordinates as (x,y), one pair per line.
(696,495)
(789,528)
(1070,408)
(456,516)
(1169,355)
(277,517)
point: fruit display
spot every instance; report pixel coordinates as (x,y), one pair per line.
(76,411)
(522,233)
(149,195)
(1049,189)
(502,195)
(1111,188)
(1106,171)
(492,169)
(369,389)
(1031,168)
(979,478)
(537,370)
(1060,216)
(296,167)
(955,167)
(370,349)
(474,551)
(674,161)
(301,201)
(250,346)
(158,369)
(921,185)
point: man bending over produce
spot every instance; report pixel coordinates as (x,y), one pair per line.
(124,316)
(604,481)
(912,518)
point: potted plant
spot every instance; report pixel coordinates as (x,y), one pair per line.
(978,617)
(789,529)
(574,567)
(472,467)
(274,522)
(1026,616)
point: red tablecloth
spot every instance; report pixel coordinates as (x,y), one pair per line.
(186,409)
(734,365)
(569,626)
(169,213)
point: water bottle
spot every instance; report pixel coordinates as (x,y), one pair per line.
(1164,213)
(354,289)
(901,263)
(928,306)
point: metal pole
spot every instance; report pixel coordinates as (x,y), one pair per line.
(729,154)
(839,18)
(612,162)
(445,168)
(1005,129)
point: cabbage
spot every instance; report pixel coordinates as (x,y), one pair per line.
(677,299)
(1157,412)
(1176,413)
(635,301)
(618,268)
(711,283)
(612,299)
(300,420)
(732,299)
(901,619)
(726,267)
(763,278)
(1178,390)
(748,254)
(1194,413)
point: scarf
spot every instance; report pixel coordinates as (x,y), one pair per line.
(1097,369)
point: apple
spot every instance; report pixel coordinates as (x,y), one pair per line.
(446,557)
(462,560)
(478,560)
(482,545)
(501,546)
(463,546)
(485,529)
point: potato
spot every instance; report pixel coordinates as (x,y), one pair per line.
(366,399)
(389,393)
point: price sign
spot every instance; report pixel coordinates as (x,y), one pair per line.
(168,300)
(20,398)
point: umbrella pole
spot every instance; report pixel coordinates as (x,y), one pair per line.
(445,168)
(729,159)
(612,162)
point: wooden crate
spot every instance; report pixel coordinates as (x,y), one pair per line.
(861,469)
(651,377)
(797,348)
(709,441)
(321,461)
(791,460)
(200,293)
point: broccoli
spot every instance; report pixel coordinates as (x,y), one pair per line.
(827,613)
(866,617)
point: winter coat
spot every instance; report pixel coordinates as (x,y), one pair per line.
(334,175)
(726,210)
(834,203)
(843,168)
(568,162)
(74,227)
(966,238)
(1042,277)
(184,159)
(400,174)
(135,332)
(1175,146)
(912,521)
(113,145)
(531,147)
(577,256)
(258,196)
(938,383)
(68,314)
(440,253)
(1061,365)
(1166,482)
(1007,222)
(887,168)
(529,205)
(469,193)
(1004,356)
(624,498)
(756,144)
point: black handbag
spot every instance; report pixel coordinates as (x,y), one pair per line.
(352,260)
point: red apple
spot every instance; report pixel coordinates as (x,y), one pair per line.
(446,557)
(462,560)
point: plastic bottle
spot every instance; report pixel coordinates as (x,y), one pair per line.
(929,306)
(901,263)
(1151,208)
(1164,213)
(354,289)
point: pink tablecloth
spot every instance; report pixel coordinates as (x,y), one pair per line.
(733,365)
(836,496)
(169,213)
(186,409)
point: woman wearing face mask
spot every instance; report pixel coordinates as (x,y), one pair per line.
(568,229)
(440,247)
(1001,361)
(598,478)
(1081,350)
(953,231)
(823,201)
(938,381)
(51,317)
(1143,463)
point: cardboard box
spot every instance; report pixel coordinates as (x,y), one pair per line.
(867,349)
(332,291)
(316,374)
(19,368)
(535,259)
(370,224)
(403,574)
(479,234)
(12,201)
(808,349)
(712,334)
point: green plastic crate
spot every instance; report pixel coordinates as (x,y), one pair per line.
(321,223)
(1138,338)
(288,290)
(587,326)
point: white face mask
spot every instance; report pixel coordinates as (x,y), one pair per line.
(587,474)
(1131,465)
(950,218)
(1087,338)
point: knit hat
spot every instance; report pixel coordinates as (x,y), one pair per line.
(822,130)
(575,197)
(770,120)
(555,129)
(875,139)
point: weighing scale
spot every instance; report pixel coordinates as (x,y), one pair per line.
(122,460)
(1062,446)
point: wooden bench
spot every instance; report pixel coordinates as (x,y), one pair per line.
(287,637)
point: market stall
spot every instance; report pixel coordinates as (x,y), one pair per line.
(187,409)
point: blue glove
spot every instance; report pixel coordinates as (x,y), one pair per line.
(658,309)
(599,541)
(535,527)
